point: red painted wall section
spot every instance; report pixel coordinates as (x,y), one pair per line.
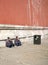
(40,12)
(44,14)
(13,12)
(24,12)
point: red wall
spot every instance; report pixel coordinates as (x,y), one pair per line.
(19,12)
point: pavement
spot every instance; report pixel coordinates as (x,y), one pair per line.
(27,54)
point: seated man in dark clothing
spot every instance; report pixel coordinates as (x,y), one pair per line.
(17,41)
(9,43)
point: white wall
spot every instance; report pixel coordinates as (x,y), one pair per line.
(21,33)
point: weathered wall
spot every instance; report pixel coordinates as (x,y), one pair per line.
(21,33)
(24,12)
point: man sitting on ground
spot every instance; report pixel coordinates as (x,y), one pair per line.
(17,42)
(9,43)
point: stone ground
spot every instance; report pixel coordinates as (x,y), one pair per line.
(27,54)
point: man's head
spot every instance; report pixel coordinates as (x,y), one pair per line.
(17,37)
(8,38)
